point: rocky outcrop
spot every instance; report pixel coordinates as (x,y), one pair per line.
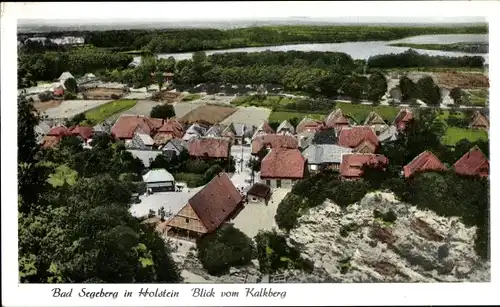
(363,243)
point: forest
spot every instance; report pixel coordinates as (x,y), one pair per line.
(185,40)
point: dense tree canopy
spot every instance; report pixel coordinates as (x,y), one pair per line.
(162,111)
(74,223)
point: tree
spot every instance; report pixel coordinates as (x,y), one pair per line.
(429,92)
(164,111)
(457,94)
(377,87)
(71,85)
(408,88)
(225,248)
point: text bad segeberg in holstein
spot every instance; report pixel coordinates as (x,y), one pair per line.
(198,292)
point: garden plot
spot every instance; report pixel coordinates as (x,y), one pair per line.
(183,108)
(248,116)
(70,108)
(142,107)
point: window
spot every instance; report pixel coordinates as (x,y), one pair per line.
(268,182)
(187,220)
(254,199)
(278,183)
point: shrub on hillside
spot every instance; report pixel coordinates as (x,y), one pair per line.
(212,172)
(273,253)
(225,248)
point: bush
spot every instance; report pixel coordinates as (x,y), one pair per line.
(45,96)
(197,166)
(163,111)
(115,96)
(191,180)
(69,95)
(223,249)
(273,253)
(212,172)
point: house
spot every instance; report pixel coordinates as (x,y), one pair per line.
(194,131)
(324,156)
(402,119)
(390,134)
(83,132)
(259,192)
(217,202)
(145,155)
(65,76)
(309,124)
(473,163)
(376,122)
(305,138)
(140,140)
(479,121)
(274,141)
(352,165)
(171,129)
(336,119)
(215,131)
(127,125)
(54,136)
(174,147)
(159,180)
(361,139)
(203,147)
(263,129)
(285,128)
(236,132)
(102,128)
(282,167)
(58,91)
(424,162)
(41,130)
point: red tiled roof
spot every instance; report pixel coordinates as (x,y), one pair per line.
(274,141)
(82,131)
(352,164)
(309,124)
(209,147)
(266,128)
(424,162)
(283,163)
(403,117)
(216,201)
(126,125)
(50,141)
(352,137)
(336,118)
(479,120)
(473,163)
(59,131)
(172,126)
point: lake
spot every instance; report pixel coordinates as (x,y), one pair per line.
(359,50)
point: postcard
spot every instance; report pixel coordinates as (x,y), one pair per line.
(248,153)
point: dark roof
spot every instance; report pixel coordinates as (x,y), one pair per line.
(216,201)
(260,190)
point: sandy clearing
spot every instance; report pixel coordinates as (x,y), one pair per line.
(70,108)
(248,116)
(43,106)
(208,113)
(258,216)
(142,107)
(183,108)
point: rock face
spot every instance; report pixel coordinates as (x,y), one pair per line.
(353,245)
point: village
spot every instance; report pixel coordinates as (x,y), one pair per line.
(260,164)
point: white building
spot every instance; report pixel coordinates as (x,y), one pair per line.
(159,180)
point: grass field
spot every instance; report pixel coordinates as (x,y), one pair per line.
(280,116)
(455,134)
(191,97)
(458,47)
(104,111)
(359,112)
(478,97)
(268,101)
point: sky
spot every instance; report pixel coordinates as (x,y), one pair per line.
(116,12)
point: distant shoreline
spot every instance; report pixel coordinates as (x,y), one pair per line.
(477,48)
